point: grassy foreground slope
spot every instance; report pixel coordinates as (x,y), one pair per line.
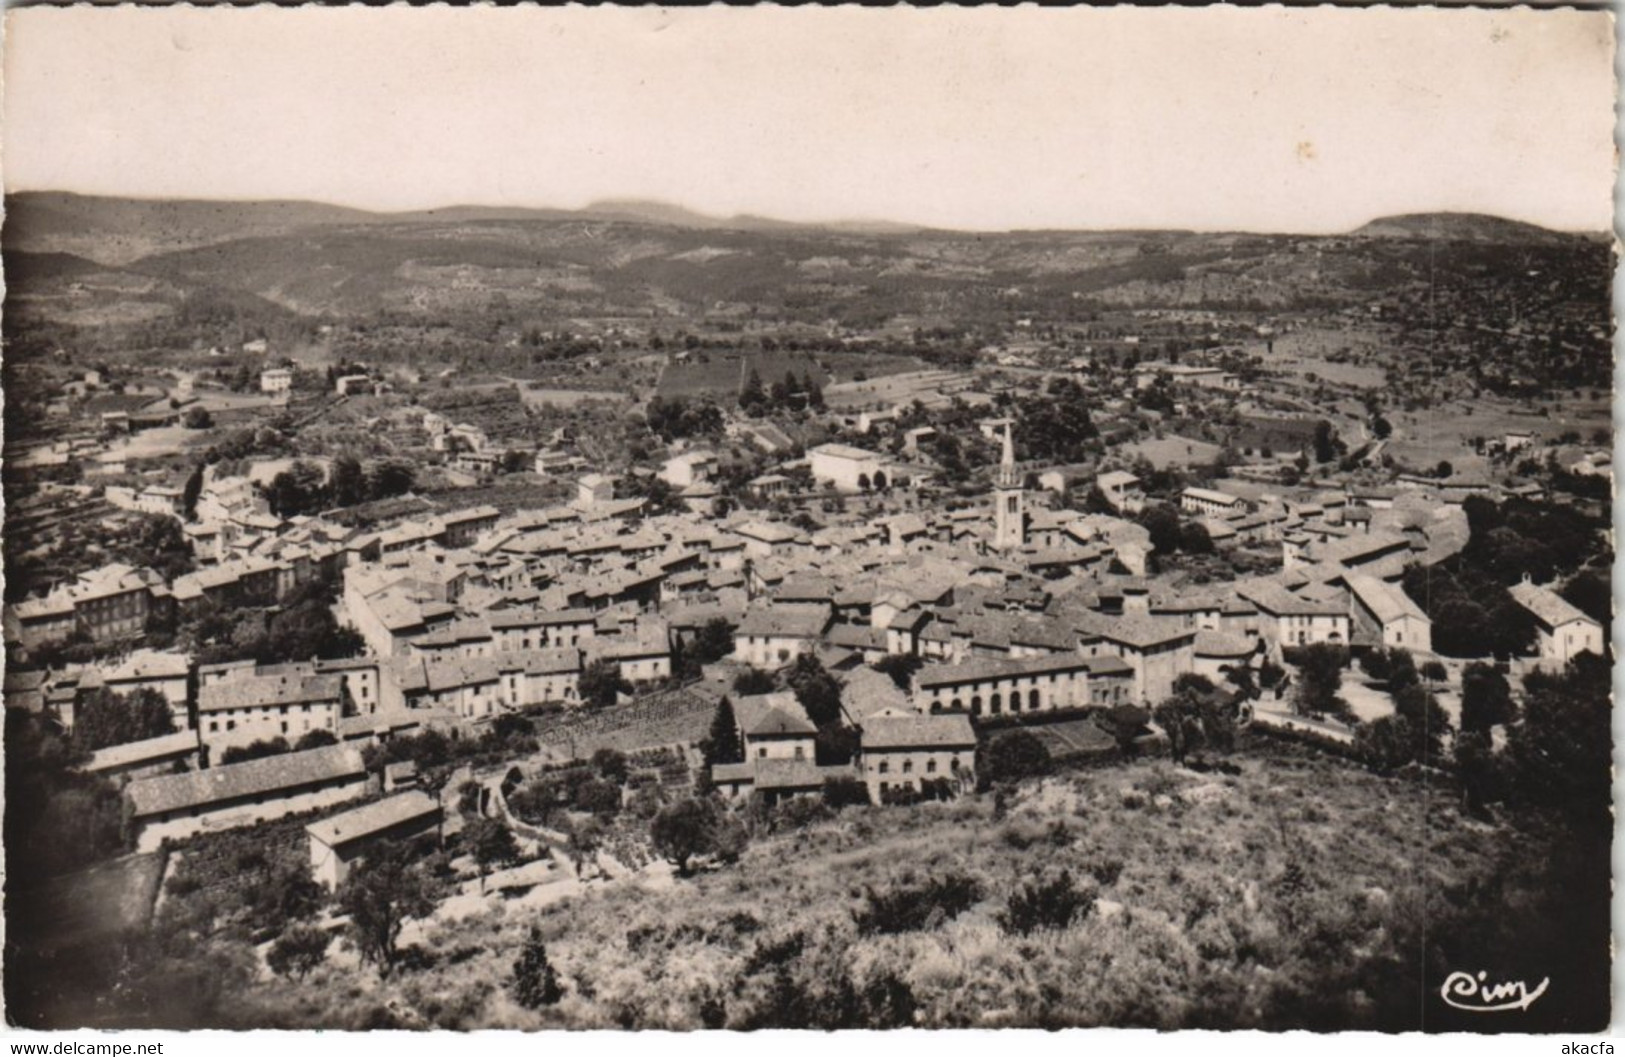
(1301,893)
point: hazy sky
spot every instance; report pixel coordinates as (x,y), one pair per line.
(1297,120)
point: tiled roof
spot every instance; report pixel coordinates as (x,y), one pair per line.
(802,622)
(1386,601)
(982,669)
(270,691)
(917,732)
(369,819)
(235,781)
(752,709)
(1546,605)
(135,752)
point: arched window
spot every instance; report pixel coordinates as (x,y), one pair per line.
(931,766)
(908,766)
(996,705)
(884,768)
(1034,699)
(958,705)
(936,706)
(976,705)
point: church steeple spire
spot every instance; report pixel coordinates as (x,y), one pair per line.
(1009,500)
(1007,461)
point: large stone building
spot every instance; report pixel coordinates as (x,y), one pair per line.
(903,752)
(337,843)
(1562,632)
(176,806)
(847,468)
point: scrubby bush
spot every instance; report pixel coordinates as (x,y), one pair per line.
(298,950)
(798,812)
(1013,756)
(912,907)
(845,792)
(1052,904)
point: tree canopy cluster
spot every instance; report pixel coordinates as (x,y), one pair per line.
(304,489)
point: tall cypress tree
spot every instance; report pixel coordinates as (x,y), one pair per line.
(535,983)
(722,745)
(751,395)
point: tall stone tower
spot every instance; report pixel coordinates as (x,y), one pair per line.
(1009,501)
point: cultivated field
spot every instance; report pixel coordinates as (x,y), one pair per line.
(1164,452)
(720,374)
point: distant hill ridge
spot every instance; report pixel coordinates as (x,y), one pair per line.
(1460,227)
(56,220)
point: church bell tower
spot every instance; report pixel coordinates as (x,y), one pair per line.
(1009,501)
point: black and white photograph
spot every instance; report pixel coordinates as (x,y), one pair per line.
(718,519)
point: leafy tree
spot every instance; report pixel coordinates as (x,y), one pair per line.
(601,683)
(1385,745)
(349,480)
(1013,756)
(835,744)
(815,689)
(391,478)
(1479,771)
(1320,673)
(315,739)
(599,797)
(197,418)
(610,765)
(684,830)
(585,837)
(1196,716)
(753,681)
(1325,451)
(298,951)
(1194,538)
(492,844)
(1162,522)
(1056,426)
(104,718)
(1095,502)
(1127,723)
(300,489)
(845,792)
(729,838)
(57,817)
(900,666)
(1428,722)
(255,750)
(535,983)
(1561,750)
(379,895)
(1592,595)
(1381,428)
(288,894)
(722,744)
(713,641)
(1486,699)
(155,541)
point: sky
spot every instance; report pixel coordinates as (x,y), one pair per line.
(1301,120)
